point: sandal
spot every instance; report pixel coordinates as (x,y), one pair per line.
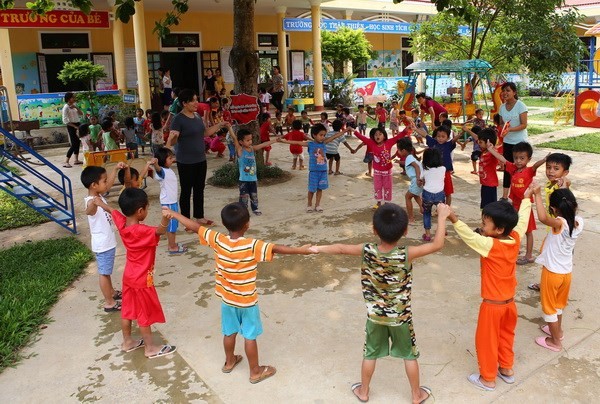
(534,286)
(238,359)
(118,295)
(116,307)
(525,261)
(78,163)
(318,209)
(267,372)
(180,250)
(67,165)
(309,209)
(425,237)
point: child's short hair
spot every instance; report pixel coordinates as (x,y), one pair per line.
(415,111)
(373,131)
(346,110)
(297,124)
(432,158)
(148,111)
(304,112)
(277,113)
(523,147)
(319,127)
(291,109)
(401,112)
(560,158)
(161,154)
(487,134)
(324,115)
(443,115)
(478,110)
(235,216)
(405,144)
(129,123)
(84,130)
(361,106)
(498,119)
(139,110)
(442,128)
(264,117)
(135,174)
(91,175)
(390,222)
(106,125)
(447,122)
(337,124)
(503,214)
(131,200)
(242,133)
(380,104)
(476,129)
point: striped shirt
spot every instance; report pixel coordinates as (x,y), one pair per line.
(236,261)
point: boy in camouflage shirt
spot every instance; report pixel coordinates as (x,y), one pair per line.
(386,278)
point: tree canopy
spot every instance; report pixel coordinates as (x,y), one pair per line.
(343,45)
(513,35)
(83,71)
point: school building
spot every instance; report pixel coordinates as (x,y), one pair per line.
(34,48)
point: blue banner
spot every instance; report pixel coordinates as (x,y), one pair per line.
(373,27)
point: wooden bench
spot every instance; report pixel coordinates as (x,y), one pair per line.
(100,158)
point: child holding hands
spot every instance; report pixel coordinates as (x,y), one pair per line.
(386,279)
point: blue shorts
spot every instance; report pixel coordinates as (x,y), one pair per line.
(244,320)
(362,127)
(106,261)
(173,224)
(368,157)
(317,180)
(413,188)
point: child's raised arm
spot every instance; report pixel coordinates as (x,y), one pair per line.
(110,181)
(187,222)
(147,166)
(298,142)
(265,144)
(162,227)
(329,139)
(98,202)
(539,163)
(536,190)
(343,249)
(440,235)
(490,147)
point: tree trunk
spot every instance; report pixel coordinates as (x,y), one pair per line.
(243,59)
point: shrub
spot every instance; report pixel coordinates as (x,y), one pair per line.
(228,174)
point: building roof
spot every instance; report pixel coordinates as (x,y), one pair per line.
(449,66)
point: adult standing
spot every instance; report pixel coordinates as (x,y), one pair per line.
(277,91)
(210,82)
(187,134)
(219,82)
(71,114)
(513,111)
(430,106)
(167,86)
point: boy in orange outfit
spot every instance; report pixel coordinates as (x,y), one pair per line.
(498,244)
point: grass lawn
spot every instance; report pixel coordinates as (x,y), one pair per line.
(32,276)
(14,213)
(547,102)
(589,143)
(537,129)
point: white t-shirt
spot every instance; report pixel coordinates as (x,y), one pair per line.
(557,250)
(168,186)
(85,147)
(70,115)
(434,179)
(103,236)
(265,98)
(166,80)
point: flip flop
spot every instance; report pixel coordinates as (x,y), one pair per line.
(139,345)
(165,350)
(525,261)
(546,330)
(541,341)
(426,390)
(475,380)
(507,379)
(534,286)
(318,209)
(309,209)
(238,359)
(67,165)
(78,163)
(267,372)
(180,250)
(116,307)
(354,387)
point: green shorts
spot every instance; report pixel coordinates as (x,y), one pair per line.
(378,336)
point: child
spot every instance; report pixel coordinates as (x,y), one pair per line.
(413,170)
(265,100)
(140,134)
(501,129)
(332,148)
(476,153)
(381,116)
(317,164)
(349,119)
(247,168)
(498,244)
(478,120)
(130,137)
(231,139)
(306,121)
(361,120)
(557,169)
(386,279)
(236,259)
(432,181)
(140,300)
(165,118)
(521,177)
(297,151)
(442,141)
(325,120)
(225,112)
(289,119)
(394,121)
(488,177)
(415,114)
(163,159)
(95,134)
(86,142)
(216,144)
(110,136)
(130,177)
(266,129)
(556,259)
(104,243)
(368,159)
(278,123)
(381,147)
(157,139)
(339,112)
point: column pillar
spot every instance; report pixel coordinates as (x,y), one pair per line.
(141,55)
(281,45)
(315,16)
(119,54)
(8,75)
(348,64)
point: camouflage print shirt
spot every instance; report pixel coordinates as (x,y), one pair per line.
(386,280)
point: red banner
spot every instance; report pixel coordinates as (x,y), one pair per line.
(244,108)
(17,18)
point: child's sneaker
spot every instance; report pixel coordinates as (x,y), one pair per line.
(257,212)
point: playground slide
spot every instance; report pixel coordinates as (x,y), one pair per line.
(586,105)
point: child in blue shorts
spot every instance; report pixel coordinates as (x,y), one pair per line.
(104,244)
(163,159)
(386,279)
(317,166)
(413,171)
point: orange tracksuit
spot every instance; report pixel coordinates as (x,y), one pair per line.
(497,320)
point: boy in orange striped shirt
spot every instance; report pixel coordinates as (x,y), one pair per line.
(236,259)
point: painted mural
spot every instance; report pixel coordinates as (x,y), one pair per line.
(26,73)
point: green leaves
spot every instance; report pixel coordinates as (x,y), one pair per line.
(80,70)
(343,45)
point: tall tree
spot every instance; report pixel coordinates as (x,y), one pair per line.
(345,44)
(538,37)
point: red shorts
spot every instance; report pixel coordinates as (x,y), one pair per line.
(448,186)
(531,224)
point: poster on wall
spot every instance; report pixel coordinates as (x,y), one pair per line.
(105,60)
(130,68)
(226,71)
(297,58)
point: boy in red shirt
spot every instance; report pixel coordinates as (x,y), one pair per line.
(266,130)
(297,151)
(498,244)
(488,178)
(381,116)
(521,178)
